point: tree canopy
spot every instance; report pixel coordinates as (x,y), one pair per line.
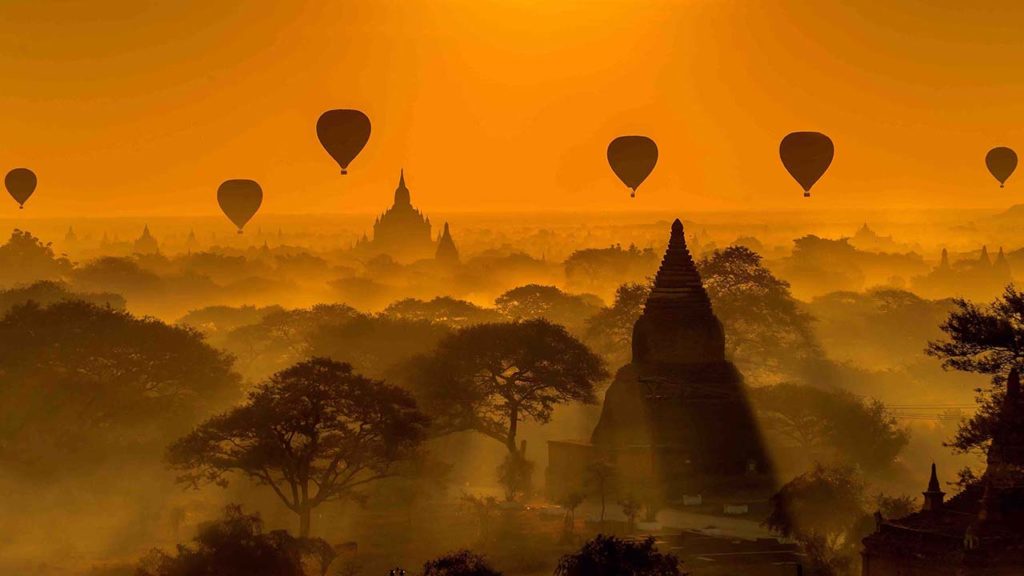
(313,433)
(24,258)
(610,330)
(832,425)
(235,545)
(83,384)
(821,510)
(611,556)
(534,301)
(492,377)
(461,563)
(766,331)
(985,339)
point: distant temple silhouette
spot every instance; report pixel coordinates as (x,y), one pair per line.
(978,278)
(446,253)
(980,531)
(146,243)
(402,231)
(677,416)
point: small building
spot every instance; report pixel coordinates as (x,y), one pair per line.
(978,532)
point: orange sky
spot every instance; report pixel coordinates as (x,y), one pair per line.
(136,107)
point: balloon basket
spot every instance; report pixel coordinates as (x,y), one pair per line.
(807,194)
(239,230)
(344,172)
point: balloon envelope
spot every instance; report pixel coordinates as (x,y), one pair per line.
(343,133)
(240,199)
(632,158)
(20,183)
(806,156)
(1001,162)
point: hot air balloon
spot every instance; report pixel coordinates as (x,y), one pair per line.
(1001,162)
(632,158)
(239,199)
(20,183)
(806,155)
(343,133)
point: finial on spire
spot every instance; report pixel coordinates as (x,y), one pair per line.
(402,192)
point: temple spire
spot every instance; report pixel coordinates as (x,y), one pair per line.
(402,197)
(677,284)
(934,495)
(446,251)
(678,325)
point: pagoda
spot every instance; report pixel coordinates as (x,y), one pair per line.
(402,231)
(677,416)
(446,253)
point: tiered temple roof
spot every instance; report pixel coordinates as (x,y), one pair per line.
(677,286)
(678,324)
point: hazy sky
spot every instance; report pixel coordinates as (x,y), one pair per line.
(144,107)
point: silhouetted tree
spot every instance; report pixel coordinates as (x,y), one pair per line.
(820,509)
(569,502)
(375,344)
(235,545)
(593,269)
(882,327)
(461,563)
(24,259)
(610,331)
(987,339)
(484,508)
(47,292)
(220,320)
(492,377)
(832,424)
(533,301)
(630,509)
(281,338)
(766,332)
(515,474)
(83,385)
(442,310)
(122,275)
(611,556)
(601,479)
(314,432)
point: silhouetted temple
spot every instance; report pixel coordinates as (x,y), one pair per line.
(402,231)
(677,415)
(146,243)
(980,531)
(446,253)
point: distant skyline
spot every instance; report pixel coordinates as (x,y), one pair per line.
(143,108)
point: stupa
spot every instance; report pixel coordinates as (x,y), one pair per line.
(677,416)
